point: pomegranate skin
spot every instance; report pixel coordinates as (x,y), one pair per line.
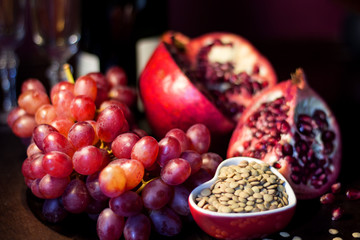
(172,100)
(300,99)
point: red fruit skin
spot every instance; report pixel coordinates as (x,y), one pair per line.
(162,90)
(294,93)
(171,100)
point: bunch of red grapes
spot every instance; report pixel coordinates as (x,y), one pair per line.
(87,154)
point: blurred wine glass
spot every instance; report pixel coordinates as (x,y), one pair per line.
(12,31)
(56,29)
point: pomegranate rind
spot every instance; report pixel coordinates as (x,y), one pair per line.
(175,102)
(171,101)
(295,93)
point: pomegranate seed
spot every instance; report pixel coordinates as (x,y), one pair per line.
(301,147)
(277,165)
(328,147)
(304,118)
(320,119)
(287,149)
(353,194)
(304,128)
(337,213)
(256,69)
(246,144)
(284,127)
(327,136)
(336,187)
(327,198)
(319,114)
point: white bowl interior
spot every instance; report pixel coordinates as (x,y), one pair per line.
(235,161)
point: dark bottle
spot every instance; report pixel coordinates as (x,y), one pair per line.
(111,28)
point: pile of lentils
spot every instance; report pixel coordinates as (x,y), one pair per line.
(243,188)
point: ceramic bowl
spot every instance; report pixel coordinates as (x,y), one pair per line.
(242,225)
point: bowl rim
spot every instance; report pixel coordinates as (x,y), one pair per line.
(233,161)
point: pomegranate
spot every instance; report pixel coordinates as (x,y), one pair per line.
(210,79)
(290,127)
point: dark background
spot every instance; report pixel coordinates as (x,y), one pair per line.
(322,37)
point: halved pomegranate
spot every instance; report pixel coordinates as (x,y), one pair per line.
(290,127)
(209,80)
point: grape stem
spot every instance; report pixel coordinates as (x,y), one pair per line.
(103,146)
(68,73)
(144,183)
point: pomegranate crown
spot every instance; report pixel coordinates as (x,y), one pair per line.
(298,78)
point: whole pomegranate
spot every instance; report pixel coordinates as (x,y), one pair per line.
(291,128)
(210,79)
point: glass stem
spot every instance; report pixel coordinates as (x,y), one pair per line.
(53,72)
(8,72)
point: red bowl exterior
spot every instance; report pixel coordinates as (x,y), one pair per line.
(247,227)
(242,225)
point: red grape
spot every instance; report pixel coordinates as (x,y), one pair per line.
(60,87)
(166,222)
(76,197)
(82,108)
(31,100)
(124,94)
(35,189)
(93,124)
(87,160)
(122,145)
(85,86)
(199,136)
(179,203)
(93,187)
(45,114)
(81,134)
(109,225)
(140,132)
(63,125)
(24,126)
(127,204)
(176,171)
(55,141)
(14,114)
(61,101)
(133,169)
(32,149)
(180,135)
(194,158)
(126,110)
(156,194)
(137,227)
(57,164)
(210,162)
(116,76)
(110,123)
(102,87)
(32,83)
(53,210)
(146,151)
(169,148)
(112,180)
(39,134)
(26,169)
(36,167)
(52,187)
